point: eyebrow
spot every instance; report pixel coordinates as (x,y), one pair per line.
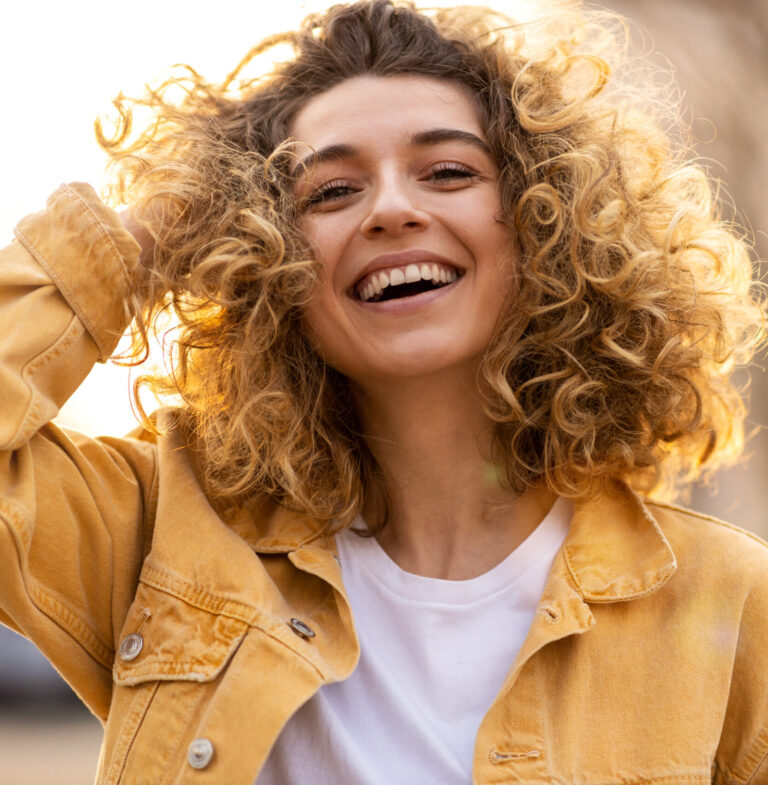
(431,136)
(438,135)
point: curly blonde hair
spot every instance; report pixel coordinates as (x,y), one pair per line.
(633,306)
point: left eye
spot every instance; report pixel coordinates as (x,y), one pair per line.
(451,172)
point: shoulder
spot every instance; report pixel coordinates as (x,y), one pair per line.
(721,581)
(677,518)
(714,550)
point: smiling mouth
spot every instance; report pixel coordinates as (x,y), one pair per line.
(408,281)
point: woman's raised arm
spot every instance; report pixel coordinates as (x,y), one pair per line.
(74,512)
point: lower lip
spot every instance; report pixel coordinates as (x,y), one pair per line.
(407,304)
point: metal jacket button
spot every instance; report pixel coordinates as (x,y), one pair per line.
(301,629)
(130,647)
(200,753)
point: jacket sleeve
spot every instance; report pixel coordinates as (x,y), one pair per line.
(74,512)
(742,755)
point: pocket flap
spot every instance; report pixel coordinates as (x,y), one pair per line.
(171,640)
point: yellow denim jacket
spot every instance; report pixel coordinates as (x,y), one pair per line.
(194,640)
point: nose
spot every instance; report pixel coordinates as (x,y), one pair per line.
(393,210)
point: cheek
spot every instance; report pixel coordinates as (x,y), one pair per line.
(482,221)
(497,245)
(324,324)
(316,336)
(501,255)
(327,243)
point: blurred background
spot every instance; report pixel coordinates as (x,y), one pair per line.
(60,65)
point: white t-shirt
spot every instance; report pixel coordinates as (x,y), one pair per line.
(434,654)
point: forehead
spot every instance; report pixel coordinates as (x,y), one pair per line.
(392,106)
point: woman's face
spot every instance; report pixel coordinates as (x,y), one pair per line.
(402,210)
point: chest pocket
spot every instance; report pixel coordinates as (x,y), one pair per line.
(165,638)
(170,658)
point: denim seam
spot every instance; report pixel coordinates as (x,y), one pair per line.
(672,779)
(150,507)
(199,598)
(757,757)
(111,250)
(661,578)
(225,607)
(545,735)
(708,518)
(69,621)
(62,343)
(46,603)
(46,265)
(97,221)
(127,735)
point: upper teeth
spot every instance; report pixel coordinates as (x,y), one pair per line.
(376,282)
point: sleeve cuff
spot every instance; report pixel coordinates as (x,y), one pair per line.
(91,258)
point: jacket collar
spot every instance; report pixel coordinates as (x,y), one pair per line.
(269,527)
(615,549)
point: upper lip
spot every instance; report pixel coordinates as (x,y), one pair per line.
(402,259)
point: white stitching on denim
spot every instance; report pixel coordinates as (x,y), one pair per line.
(500,757)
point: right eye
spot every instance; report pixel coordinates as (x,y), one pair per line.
(329,192)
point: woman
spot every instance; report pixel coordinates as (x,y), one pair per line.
(449,305)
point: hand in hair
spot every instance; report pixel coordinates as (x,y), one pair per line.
(140,234)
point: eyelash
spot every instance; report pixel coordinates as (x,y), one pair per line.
(325,193)
(454,172)
(338,189)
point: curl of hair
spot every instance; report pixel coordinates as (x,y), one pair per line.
(633,301)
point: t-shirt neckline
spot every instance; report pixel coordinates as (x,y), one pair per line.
(544,541)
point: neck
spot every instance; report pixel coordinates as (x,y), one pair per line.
(449,514)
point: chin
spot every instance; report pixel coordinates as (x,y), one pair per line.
(413,367)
